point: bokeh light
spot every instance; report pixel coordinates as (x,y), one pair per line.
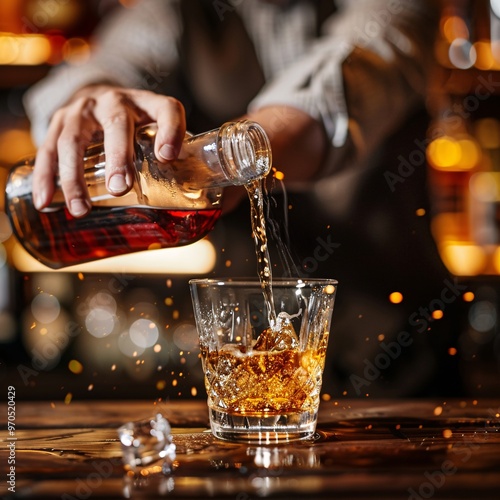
(9,325)
(25,50)
(45,307)
(127,347)
(100,322)
(484,56)
(485,186)
(443,152)
(185,337)
(462,53)
(45,342)
(487,132)
(453,27)
(463,259)
(483,316)
(144,333)
(495,7)
(145,310)
(75,367)
(76,51)
(103,300)
(396,297)
(453,154)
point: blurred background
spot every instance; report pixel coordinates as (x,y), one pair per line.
(124,327)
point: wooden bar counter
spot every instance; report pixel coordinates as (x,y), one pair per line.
(369,449)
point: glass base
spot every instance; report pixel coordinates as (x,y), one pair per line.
(263,428)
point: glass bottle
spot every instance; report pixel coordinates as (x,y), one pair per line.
(170,204)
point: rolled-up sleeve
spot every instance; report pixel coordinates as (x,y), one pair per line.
(363,76)
(136,48)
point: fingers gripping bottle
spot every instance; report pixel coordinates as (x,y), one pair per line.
(170,204)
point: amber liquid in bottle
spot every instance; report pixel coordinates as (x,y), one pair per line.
(171,204)
(57,239)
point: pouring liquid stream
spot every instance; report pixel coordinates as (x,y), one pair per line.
(255,190)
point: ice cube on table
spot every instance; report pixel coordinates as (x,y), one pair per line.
(146,442)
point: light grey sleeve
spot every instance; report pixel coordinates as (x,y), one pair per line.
(136,48)
(363,76)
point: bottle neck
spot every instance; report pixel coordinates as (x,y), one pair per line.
(244,151)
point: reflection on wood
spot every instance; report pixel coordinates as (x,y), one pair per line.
(378,450)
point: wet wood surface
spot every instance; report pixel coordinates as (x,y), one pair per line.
(362,449)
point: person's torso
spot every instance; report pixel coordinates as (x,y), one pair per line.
(229,52)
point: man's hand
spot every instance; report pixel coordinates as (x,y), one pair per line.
(298,142)
(115,112)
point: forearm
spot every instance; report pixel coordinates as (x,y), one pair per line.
(298,141)
(362,77)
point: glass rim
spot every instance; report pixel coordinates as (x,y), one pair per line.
(253,282)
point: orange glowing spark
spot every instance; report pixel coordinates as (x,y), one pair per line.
(437,314)
(75,367)
(396,297)
(438,410)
